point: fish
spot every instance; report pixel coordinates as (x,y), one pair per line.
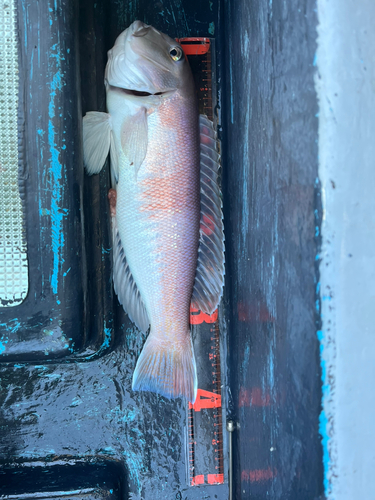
(165,201)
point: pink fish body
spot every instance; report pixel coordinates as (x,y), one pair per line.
(160,261)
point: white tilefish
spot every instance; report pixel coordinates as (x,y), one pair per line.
(168,249)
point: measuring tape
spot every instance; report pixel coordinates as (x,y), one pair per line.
(205,428)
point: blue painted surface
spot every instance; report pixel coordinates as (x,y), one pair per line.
(347,265)
(55,171)
(323,420)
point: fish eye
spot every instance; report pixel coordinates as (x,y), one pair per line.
(175,53)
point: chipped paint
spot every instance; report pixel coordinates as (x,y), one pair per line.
(55,171)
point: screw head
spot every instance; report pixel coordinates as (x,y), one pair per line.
(230,426)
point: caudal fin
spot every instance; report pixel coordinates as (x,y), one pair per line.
(166,368)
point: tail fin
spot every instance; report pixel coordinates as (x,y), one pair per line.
(166,368)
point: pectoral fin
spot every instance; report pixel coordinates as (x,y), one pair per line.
(96,140)
(209,278)
(134,138)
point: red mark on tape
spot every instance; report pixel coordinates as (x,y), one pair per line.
(206,399)
(197,480)
(215,478)
(211,479)
(197,317)
(194,46)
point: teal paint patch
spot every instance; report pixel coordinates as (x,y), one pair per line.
(107,337)
(323,420)
(135,467)
(76,402)
(246,359)
(211,29)
(2,348)
(55,171)
(106,344)
(108,450)
(271,367)
(12,326)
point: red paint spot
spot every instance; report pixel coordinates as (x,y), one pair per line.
(206,399)
(197,480)
(258,475)
(215,478)
(197,317)
(253,397)
(254,312)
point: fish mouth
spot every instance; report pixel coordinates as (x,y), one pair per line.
(139,93)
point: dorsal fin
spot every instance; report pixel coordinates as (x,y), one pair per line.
(209,278)
(125,286)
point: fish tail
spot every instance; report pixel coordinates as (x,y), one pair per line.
(167,368)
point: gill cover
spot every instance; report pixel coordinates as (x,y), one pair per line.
(145,60)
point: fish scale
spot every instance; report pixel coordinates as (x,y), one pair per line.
(158,220)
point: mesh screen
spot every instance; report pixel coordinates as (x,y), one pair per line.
(13,257)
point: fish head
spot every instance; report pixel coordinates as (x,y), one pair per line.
(147,61)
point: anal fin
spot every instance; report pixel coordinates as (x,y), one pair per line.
(125,286)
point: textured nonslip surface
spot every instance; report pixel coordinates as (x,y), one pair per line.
(13,258)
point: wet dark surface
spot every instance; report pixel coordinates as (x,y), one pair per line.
(90,479)
(270,194)
(73,423)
